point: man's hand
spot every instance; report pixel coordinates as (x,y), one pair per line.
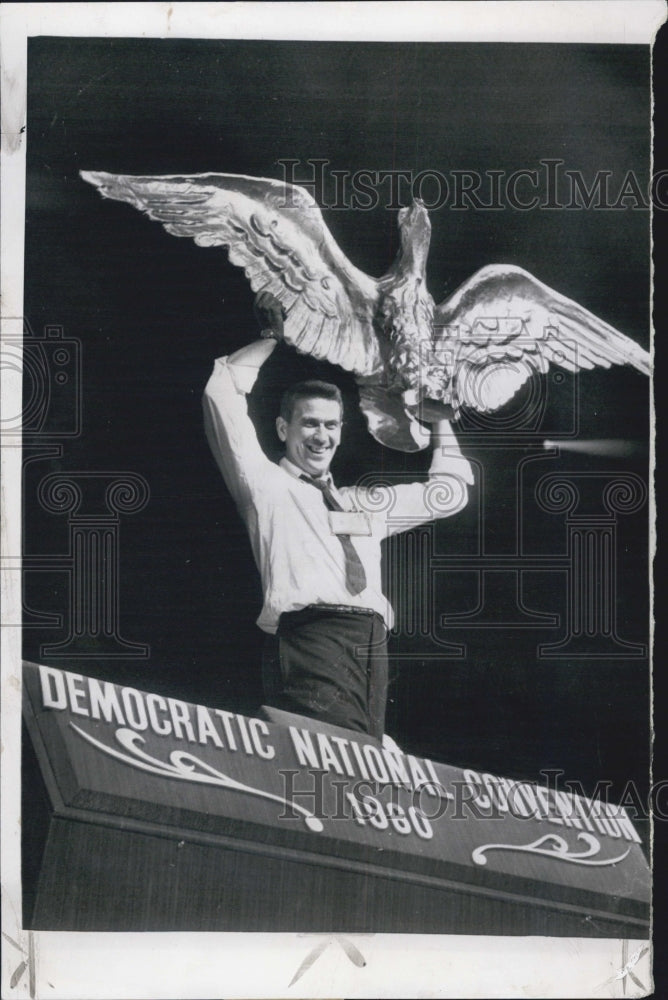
(270,314)
(444,440)
(254,355)
(426,408)
(432,411)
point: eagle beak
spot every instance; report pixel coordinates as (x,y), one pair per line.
(415,210)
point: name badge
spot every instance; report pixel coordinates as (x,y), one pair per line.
(345,522)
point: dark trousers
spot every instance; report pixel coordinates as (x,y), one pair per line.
(329,664)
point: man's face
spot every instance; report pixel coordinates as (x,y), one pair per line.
(312,434)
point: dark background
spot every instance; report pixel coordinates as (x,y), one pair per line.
(152,312)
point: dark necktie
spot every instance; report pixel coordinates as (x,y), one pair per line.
(355,575)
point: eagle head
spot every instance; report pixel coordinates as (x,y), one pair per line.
(415,233)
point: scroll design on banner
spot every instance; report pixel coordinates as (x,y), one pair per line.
(558,848)
(183,765)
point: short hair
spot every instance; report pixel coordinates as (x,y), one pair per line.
(311,389)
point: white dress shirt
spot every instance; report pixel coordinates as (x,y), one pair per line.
(300,560)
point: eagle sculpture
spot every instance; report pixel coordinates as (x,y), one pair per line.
(413,360)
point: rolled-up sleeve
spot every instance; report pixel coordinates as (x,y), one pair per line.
(230,431)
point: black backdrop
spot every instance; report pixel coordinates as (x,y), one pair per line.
(152,312)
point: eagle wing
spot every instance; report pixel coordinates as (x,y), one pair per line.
(503,325)
(276,233)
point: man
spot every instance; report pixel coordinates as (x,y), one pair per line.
(317,547)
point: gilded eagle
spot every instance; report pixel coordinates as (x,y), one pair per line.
(412,359)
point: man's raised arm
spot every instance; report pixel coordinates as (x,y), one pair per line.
(445,493)
(228,427)
(450,469)
(447,458)
(247,361)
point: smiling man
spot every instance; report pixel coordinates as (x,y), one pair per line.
(310,425)
(318,548)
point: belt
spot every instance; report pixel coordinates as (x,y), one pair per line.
(340,609)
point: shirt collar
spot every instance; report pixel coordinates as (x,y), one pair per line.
(297,473)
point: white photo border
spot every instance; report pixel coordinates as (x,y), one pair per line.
(185,965)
